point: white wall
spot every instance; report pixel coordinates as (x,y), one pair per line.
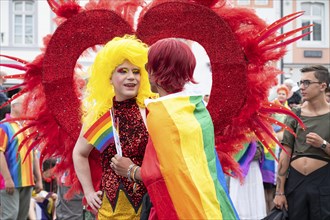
(202,73)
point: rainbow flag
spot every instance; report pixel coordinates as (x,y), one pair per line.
(101,133)
(245,156)
(181,169)
(269,165)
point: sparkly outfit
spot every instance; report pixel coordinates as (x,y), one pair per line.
(133,138)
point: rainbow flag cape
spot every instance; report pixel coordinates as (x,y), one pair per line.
(102,133)
(181,168)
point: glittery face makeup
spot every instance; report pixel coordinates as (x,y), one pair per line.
(126,81)
(124,70)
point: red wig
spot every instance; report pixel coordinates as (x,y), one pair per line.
(283,88)
(172,64)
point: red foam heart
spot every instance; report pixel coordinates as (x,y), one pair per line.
(70,39)
(171,19)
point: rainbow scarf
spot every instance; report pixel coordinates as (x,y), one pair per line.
(181,169)
(102,132)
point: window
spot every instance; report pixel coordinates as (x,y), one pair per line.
(243,2)
(261,2)
(314,14)
(23,22)
(254,3)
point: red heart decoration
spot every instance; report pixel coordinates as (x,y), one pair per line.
(235,80)
(74,36)
(201,24)
(171,19)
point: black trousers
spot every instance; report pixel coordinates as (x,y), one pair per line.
(309,196)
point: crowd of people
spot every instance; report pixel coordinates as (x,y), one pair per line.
(304,165)
(161,149)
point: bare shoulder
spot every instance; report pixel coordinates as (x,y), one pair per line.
(328,109)
(311,111)
(325,109)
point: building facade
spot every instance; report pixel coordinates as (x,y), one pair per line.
(24,24)
(312,49)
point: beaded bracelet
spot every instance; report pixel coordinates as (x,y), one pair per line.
(129,171)
(134,173)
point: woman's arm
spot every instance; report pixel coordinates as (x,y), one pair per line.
(37,173)
(80,155)
(9,183)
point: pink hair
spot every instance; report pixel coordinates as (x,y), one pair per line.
(172,64)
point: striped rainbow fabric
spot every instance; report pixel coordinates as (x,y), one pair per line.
(269,165)
(245,156)
(181,169)
(21,171)
(100,134)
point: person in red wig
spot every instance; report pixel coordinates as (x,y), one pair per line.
(282,97)
(181,168)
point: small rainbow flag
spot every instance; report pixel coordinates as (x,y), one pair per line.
(102,132)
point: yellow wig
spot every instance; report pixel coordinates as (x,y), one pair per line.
(99,91)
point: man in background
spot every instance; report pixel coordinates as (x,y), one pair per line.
(19,171)
(294,97)
(3,95)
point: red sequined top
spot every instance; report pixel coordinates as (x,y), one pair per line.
(133,138)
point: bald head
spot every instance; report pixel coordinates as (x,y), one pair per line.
(16,106)
(18,99)
(289,84)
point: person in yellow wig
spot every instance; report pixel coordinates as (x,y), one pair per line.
(115,97)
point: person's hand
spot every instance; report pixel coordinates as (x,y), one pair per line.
(38,186)
(48,173)
(10,186)
(280,201)
(258,153)
(39,199)
(94,200)
(314,139)
(120,165)
(54,196)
